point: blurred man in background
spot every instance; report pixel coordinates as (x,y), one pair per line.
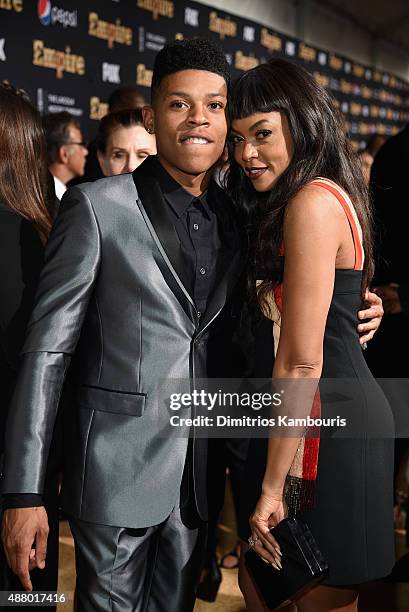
(125,98)
(66,149)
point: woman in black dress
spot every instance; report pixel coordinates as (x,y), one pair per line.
(293,172)
(25,222)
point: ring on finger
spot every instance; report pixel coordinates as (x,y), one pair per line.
(253,539)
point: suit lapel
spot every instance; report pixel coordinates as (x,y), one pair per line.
(156,214)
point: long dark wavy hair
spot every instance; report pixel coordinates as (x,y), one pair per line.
(25,183)
(320,148)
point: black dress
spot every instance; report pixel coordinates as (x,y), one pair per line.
(352,518)
(21,259)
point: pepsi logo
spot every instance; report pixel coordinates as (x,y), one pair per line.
(44,11)
(52,15)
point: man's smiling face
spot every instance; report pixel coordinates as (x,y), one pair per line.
(189,120)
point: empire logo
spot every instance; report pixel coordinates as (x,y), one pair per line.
(335,62)
(12,5)
(307,53)
(270,41)
(345,87)
(111,32)
(60,61)
(321,79)
(97,109)
(355,109)
(358,70)
(143,75)
(245,62)
(367,93)
(163,8)
(223,27)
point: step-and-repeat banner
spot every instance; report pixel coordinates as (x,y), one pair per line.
(70,55)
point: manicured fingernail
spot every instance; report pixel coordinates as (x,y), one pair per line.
(279,565)
(279,551)
(265,560)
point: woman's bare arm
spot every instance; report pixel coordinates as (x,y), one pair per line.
(314,229)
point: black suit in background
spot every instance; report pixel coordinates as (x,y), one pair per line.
(21,258)
(387,352)
(389,189)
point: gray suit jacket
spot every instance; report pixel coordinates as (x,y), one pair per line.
(113,291)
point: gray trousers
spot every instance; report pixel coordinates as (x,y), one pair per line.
(155,569)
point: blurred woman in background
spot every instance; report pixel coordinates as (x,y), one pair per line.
(122,142)
(26,201)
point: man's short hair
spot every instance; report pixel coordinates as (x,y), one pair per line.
(191,54)
(125,98)
(56,127)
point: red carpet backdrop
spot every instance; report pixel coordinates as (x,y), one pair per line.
(70,55)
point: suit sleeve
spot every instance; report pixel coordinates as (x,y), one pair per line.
(66,283)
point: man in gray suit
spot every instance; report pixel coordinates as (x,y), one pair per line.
(138,268)
(140,282)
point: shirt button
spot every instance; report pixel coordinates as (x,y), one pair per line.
(199,314)
(195,226)
(202,271)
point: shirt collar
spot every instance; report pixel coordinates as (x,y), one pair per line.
(60,188)
(178,198)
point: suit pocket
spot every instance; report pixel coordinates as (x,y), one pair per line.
(117,402)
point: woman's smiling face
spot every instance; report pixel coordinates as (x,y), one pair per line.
(263,147)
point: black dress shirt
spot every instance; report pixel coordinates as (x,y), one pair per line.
(197,226)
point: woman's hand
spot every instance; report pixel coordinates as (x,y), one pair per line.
(267,514)
(373,315)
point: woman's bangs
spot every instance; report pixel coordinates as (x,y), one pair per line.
(255,92)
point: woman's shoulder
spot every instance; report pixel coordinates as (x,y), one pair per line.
(10,222)
(16,231)
(315,202)
(12,217)
(9,215)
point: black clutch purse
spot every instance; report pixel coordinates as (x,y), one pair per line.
(303,565)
